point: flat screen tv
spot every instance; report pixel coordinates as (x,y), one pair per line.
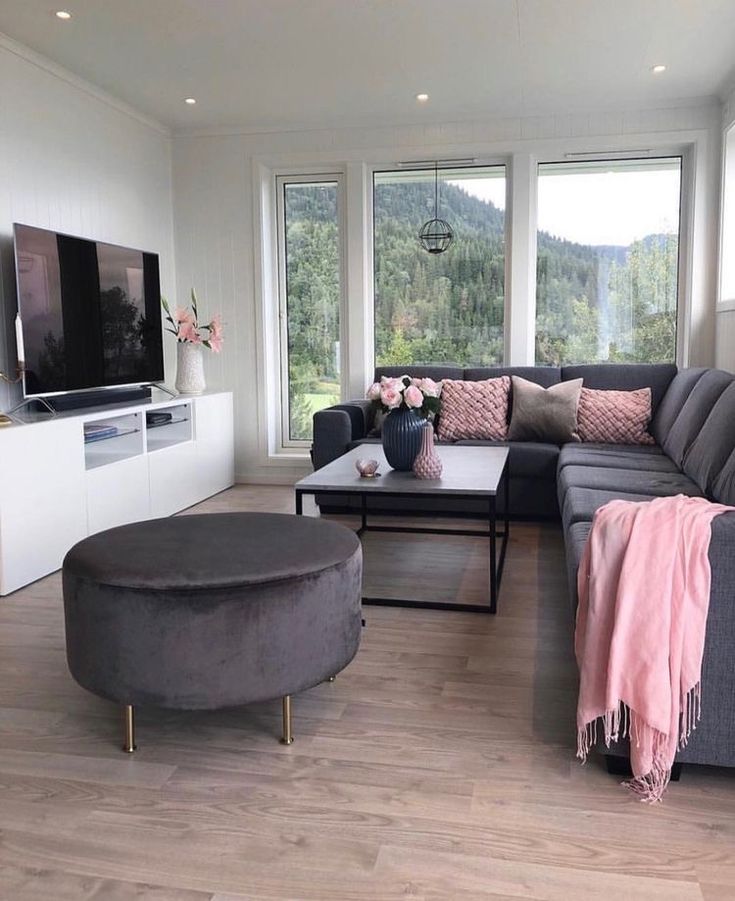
(91,313)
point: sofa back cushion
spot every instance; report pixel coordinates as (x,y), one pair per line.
(546,376)
(723,486)
(614,417)
(710,450)
(672,402)
(474,409)
(694,412)
(437,371)
(625,377)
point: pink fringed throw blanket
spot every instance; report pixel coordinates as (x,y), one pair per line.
(644,584)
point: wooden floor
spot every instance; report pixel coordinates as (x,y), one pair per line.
(439,765)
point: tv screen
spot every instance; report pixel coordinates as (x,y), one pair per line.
(91,312)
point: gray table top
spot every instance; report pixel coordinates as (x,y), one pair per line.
(474,471)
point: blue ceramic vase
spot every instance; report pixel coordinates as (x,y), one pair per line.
(402,434)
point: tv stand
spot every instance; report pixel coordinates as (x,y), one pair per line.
(73,474)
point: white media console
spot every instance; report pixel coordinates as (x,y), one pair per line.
(56,488)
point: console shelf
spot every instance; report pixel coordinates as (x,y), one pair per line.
(177,430)
(125,443)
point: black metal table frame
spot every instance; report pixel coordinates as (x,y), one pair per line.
(496,561)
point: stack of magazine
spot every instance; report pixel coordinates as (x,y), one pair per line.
(98,431)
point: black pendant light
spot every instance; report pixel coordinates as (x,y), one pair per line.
(436,235)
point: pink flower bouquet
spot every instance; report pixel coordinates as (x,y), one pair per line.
(185,325)
(421,395)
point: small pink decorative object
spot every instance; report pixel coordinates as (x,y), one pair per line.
(428,464)
(368,469)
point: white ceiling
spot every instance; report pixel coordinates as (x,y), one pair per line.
(308,63)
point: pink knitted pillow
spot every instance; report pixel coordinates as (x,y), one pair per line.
(615,417)
(474,409)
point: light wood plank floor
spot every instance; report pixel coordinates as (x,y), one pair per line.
(439,765)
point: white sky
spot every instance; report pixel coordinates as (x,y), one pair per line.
(597,207)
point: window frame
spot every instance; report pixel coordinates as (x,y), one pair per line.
(503,161)
(726,299)
(684,249)
(284,441)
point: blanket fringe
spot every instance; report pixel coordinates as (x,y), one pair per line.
(620,723)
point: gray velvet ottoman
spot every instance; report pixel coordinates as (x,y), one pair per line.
(208,611)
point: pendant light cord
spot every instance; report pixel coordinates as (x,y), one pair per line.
(436,190)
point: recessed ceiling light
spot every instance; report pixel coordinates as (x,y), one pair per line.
(658,69)
(190,100)
(422,98)
(63,14)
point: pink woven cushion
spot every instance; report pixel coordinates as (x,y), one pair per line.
(615,417)
(474,409)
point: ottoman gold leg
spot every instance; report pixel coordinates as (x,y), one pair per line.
(129,719)
(287,738)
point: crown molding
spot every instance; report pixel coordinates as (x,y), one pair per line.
(81,84)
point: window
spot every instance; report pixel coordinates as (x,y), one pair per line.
(446,307)
(310,300)
(607,263)
(727,239)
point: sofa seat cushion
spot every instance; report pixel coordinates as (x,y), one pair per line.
(574,541)
(526,459)
(632,481)
(608,457)
(580,503)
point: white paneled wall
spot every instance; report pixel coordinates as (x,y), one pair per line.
(215,238)
(73,161)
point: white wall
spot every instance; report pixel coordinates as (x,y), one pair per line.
(73,160)
(216,241)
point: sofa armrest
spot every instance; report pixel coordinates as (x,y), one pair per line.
(335,427)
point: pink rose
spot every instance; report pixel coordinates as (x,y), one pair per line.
(413,397)
(430,387)
(387,381)
(373,392)
(390,397)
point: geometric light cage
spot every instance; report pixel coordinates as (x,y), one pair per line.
(436,235)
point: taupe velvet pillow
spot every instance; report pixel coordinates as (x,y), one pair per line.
(544,414)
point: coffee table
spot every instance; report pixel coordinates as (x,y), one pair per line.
(468,472)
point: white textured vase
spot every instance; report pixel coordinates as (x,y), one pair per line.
(189,368)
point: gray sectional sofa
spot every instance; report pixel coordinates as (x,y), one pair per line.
(693,424)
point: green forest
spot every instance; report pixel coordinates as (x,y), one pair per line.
(594,304)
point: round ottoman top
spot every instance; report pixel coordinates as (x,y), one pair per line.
(211,550)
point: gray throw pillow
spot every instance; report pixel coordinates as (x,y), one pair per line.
(544,414)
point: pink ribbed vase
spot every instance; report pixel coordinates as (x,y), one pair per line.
(428,464)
